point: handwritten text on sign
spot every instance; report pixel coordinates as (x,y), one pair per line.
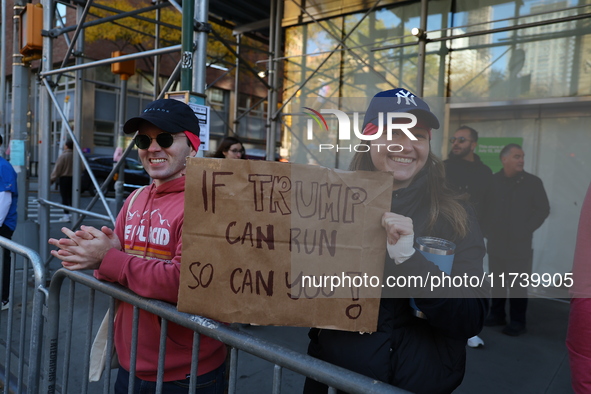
(253,229)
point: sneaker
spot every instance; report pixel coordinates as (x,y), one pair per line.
(514,329)
(65,218)
(475,342)
(5,305)
(492,321)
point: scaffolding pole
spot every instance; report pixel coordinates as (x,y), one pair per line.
(156,58)
(52,98)
(78,107)
(102,62)
(3,27)
(120,183)
(187,45)
(235,99)
(20,105)
(200,36)
(275,41)
(45,132)
(422,48)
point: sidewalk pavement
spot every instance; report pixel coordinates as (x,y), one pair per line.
(536,362)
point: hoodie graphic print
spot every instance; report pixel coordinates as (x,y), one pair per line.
(151,237)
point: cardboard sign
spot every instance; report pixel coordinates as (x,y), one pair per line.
(259,238)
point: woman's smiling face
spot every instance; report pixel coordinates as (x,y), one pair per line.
(407,163)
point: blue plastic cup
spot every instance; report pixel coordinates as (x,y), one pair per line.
(440,252)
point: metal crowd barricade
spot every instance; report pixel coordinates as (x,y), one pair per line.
(22,323)
(65,359)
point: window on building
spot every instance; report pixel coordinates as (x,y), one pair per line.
(217,100)
(104,74)
(60,15)
(252,125)
(104,134)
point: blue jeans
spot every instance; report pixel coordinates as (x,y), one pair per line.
(210,383)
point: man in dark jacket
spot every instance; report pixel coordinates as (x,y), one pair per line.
(520,207)
(466,173)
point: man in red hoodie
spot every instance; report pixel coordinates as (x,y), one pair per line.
(143,253)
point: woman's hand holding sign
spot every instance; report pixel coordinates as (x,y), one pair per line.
(400,236)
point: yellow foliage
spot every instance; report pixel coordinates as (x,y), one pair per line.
(131,30)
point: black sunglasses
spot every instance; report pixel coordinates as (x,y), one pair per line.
(460,139)
(142,141)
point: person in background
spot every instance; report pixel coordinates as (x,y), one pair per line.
(230,148)
(466,173)
(519,208)
(62,172)
(2,147)
(8,219)
(168,132)
(579,324)
(421,355)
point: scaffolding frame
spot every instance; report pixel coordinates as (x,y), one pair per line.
(49,78)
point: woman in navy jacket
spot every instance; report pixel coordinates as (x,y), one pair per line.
(422,355)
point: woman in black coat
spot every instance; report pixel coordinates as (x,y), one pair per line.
(422,355)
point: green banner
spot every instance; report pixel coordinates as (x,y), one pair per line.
(489,148)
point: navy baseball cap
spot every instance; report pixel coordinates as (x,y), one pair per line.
(399,100)
(172,116)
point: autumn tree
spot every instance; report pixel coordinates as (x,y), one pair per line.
(138,32)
